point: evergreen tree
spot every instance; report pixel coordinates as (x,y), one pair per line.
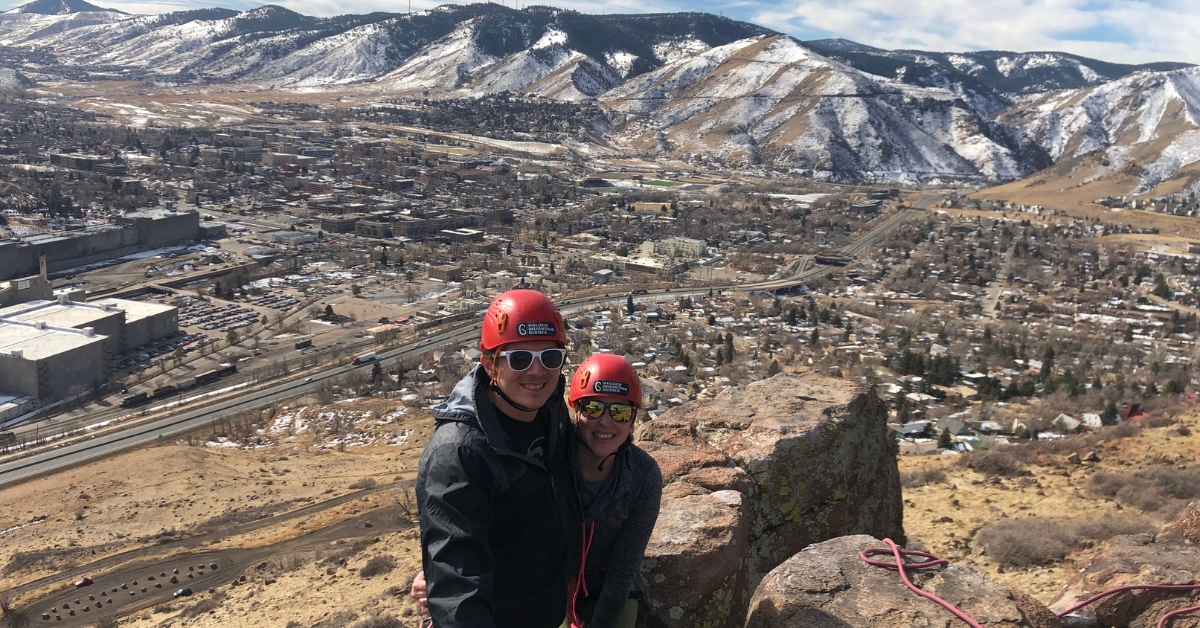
(816,335)
(1161,290)
(1047,364)
(1110,416)
(774,368)
(944,440)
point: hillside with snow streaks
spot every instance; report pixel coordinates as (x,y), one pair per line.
(358,55)
(19,28)
(771,101)
(443,65)
(1149,120)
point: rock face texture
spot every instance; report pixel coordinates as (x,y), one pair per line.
(828,586)
(808,457)
(1185,529)
(696,558)
(1172,557)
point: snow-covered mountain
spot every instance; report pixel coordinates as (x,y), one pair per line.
(992,72)
(404,52)
(1146,125)
(771,100)
(58,7)
(692,85)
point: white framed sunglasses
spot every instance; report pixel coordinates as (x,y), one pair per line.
(522,359)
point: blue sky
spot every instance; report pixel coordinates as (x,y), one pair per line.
(1125,31)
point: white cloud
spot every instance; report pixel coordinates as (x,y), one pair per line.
(143,8)
(1114,30)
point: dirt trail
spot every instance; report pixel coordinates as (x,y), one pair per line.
(175,547)
(146,581)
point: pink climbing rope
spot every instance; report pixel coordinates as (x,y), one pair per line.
(581,581)
(900,565)
(933,561)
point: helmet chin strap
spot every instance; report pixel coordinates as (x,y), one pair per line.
(600,467)
(496,389)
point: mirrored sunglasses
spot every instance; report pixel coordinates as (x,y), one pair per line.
(620,412)
(522,359)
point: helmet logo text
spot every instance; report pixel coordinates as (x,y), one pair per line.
(609,387)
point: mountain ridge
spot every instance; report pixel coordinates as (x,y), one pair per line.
(59,7)
(695,86)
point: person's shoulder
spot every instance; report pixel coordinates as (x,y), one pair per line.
(456,436)
(644,464)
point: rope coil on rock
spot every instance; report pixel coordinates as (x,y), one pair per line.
(900,565)
(933,561)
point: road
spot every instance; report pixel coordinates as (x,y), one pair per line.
(102,446)
(99,447)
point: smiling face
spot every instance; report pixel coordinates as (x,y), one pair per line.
(603,435)
(531,388)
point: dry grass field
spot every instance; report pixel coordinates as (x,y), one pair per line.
(1026,516)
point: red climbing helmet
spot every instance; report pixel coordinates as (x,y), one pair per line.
(520,316)
(606,375)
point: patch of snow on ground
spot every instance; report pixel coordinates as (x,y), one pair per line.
(1006,65)
(966,64)
(669,51)
(552,37)
(33,523)
(621,61)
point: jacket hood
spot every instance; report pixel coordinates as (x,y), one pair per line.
(463,406)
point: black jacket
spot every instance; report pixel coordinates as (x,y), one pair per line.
(624,512)
(494,531)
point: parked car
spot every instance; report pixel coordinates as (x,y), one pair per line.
(85,581)
(184,592)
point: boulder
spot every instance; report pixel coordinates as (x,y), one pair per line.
(695,562)
(809,454)
(829,586)
(1129,560)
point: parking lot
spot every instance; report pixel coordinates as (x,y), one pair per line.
(145,356)
(217,317)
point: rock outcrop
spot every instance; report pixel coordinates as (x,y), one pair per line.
(1171,557)
(828,586)
(694,557)
(1185,529)
(809,458)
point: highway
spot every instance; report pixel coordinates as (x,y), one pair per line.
(108,444)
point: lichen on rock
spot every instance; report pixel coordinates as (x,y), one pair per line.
(811,458)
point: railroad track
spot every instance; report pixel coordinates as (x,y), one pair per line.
(81,452)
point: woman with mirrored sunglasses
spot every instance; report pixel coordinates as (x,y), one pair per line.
(618,489)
